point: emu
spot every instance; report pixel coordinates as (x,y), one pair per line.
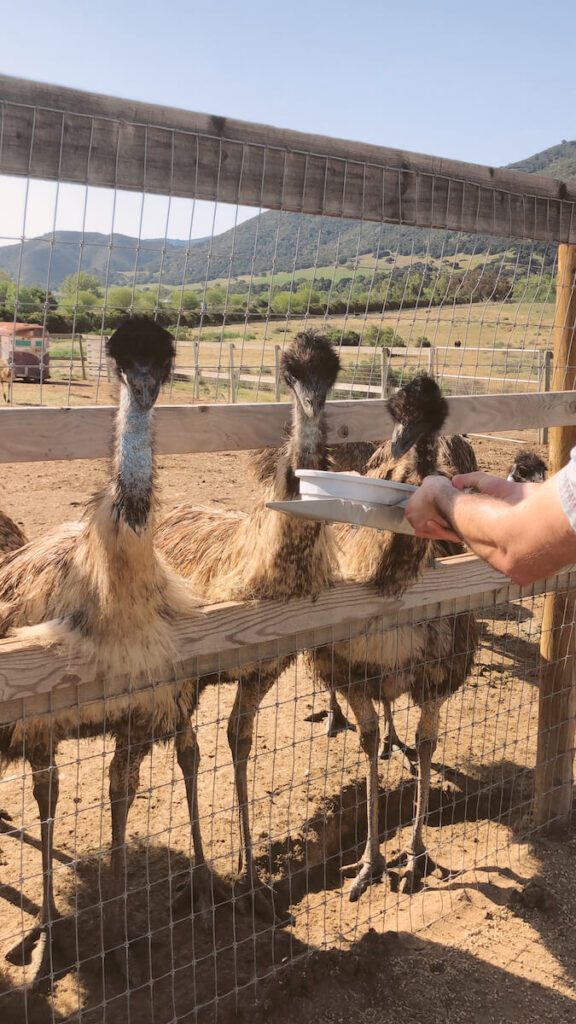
(429,660)
(528,468)
(100,587)
(229,555)
(11,536)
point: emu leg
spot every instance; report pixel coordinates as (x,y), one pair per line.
(419,862)
(371,865)
(197,893)
(41,946)
(249,695)
(337,721)
(124,776)
(393,742)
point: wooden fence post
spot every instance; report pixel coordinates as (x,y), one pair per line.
(232,397)
(276,373)
(431,361)
(384,365)
(82,356)
(196,390)
(557,700)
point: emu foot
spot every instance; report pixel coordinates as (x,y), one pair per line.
(201,894)
(258,899)
(367,872)
(419,866)
(393,744)
(337,722)
(47,951)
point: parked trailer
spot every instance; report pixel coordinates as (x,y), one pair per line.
(24,351)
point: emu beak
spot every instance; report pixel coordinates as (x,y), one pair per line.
(311,399)
(144,386)
(404,436)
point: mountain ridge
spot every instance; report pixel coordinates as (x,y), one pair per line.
(269,241)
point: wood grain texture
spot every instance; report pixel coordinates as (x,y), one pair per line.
(63,134)
(45,434)
(554,780)
(34,680)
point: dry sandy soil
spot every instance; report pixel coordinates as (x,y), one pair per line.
(491,941)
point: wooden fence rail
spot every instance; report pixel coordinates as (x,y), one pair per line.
(34,680)
(44,434)
(59,134)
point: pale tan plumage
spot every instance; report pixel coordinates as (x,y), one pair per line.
(263,554)
(98,586)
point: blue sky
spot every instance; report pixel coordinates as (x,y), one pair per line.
(489,83)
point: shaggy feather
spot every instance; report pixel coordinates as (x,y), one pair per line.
(429,660)
(237,556)
(11,536)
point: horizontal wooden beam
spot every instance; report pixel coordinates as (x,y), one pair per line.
(61,134)
(34,680)
(45,434)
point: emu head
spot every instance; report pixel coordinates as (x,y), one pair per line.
(528,468)
(419,410)
(309,367)
(143,352)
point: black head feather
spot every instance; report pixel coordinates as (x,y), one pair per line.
(141,342)
(419,410)
(310,358)
(309,367)
(528,467)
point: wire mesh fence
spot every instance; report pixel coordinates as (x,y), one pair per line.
(184,943)
(236,240)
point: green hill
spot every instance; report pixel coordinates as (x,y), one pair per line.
(555,162)
(268,243)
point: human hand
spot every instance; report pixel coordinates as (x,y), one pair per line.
(422,510)
(494,486)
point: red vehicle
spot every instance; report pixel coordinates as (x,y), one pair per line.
(24,352)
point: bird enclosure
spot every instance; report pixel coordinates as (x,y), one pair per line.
(219,906)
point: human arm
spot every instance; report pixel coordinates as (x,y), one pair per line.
(526,535)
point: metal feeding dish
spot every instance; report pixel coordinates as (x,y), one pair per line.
(349,498)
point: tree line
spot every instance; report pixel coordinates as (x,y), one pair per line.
(83,304)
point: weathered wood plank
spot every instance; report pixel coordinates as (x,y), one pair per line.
(44,434)
(554,778)
(63,134)
(34,680)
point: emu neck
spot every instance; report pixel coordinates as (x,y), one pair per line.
(398,559)
(425,456)
(134,463)
(306,449)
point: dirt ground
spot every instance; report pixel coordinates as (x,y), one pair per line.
(491,941)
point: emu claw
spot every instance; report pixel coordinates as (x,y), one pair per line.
(367,872)
(418,866)
(337,722)
(45,950)
(392,745)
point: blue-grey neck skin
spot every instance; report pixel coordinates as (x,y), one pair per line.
(305,450)
(134,461)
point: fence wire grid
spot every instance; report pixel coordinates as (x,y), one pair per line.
(169,954)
